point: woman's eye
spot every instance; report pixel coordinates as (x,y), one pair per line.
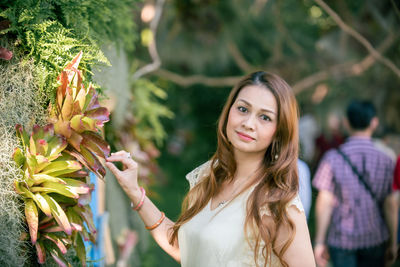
(265,118)
(242,109)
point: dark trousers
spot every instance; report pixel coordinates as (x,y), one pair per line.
(366,257)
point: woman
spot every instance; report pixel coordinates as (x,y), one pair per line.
(243,208)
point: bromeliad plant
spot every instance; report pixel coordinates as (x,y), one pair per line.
(55,194)
(55,186)
(78,117)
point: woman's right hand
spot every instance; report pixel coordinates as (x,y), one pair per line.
(127,178)
(321,255)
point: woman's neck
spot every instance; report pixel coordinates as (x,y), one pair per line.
(247,164)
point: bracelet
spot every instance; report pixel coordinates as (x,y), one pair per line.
(141,200)
(154,226)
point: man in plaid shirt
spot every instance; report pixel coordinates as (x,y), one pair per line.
(351,230)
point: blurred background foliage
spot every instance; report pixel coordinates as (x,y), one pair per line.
(174,63)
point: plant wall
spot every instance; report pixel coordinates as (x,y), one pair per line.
(44,161)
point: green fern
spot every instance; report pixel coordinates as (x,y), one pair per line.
(149,111)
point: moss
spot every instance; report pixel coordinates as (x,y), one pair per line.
(20,103)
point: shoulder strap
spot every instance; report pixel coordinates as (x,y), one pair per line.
(360,177)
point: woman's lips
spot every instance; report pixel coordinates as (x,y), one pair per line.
(245,137)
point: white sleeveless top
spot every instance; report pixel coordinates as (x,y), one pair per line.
(215,238)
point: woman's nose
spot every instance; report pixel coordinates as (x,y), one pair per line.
(249,122)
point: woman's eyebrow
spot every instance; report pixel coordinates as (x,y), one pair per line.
(263,110)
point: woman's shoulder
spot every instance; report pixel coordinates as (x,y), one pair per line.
(295,202)
(198,173)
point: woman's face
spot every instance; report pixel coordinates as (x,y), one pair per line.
(252,120)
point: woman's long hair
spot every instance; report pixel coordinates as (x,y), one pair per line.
(277,182)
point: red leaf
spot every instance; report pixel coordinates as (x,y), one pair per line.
(94,102)
(40,251)
(89,160)
(32,218)
(56,241)
(61,90)
(101,115)
(75,62)
(63,128)
(5,53)
(86,213)
(58,259)
(95,143)
(77,174)
(68,105)
(75,140)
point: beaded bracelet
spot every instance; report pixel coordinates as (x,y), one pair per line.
(154,226)
(141,200)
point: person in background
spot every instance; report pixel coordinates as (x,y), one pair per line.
(308,131)
(304,186)
(332,137)
(354,216)
(396,198)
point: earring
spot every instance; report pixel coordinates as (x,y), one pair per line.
(274,151)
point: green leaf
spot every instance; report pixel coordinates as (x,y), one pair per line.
(42,204)
(77,186)
(22,135)
(19,188)
(42,162)
(59,214)
(73,216)
(56,168)
(32,146)
(50,187)
(40,178)
(56,145)
(19,157)
(63,199)
(80,123)
(80,249)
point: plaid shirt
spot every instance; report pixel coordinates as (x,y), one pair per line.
(356,221)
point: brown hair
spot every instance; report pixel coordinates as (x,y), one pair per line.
(277,182)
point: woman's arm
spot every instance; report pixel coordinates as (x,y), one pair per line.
(149,213)
(299,253)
